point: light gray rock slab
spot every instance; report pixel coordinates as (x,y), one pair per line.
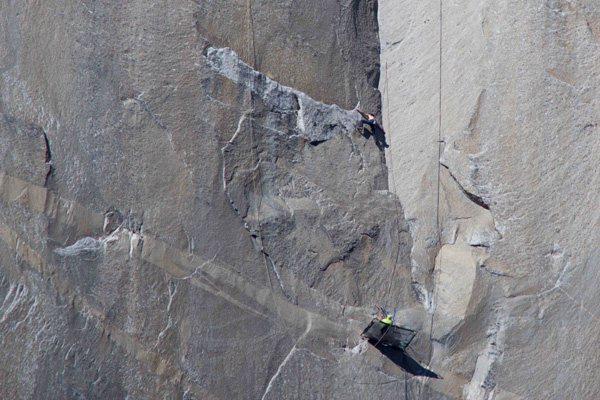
(515,92)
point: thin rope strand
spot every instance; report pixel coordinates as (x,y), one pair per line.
(387,98)
(439,230)
(255,168)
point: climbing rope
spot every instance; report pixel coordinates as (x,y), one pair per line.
(255,167)
(438,225)
(439,166)
(437,208)
(387,95)
(439,156)
(399,229)
(255,160)
(440,142)
(391,280)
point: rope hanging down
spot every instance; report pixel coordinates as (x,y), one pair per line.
(387,98)
(255,161)
(438,225)
(388,120)
(255,166)
(437,208)
(391,280)
(258,200)
(439,155)
(391,158)
(439,166)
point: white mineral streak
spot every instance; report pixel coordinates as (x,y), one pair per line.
(482,382)
(519,173)
(284,99)
(83,247)
(287,358)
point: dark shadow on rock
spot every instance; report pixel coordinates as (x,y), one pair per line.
(404,361)
(378,134)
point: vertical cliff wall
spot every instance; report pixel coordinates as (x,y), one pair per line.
(493,112)
(187,207)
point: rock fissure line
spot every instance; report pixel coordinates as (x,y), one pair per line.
(478,200)
(278,183)
(48,159)
(117,336)
(283,99)
(149,249)
(483,382)
(112,152)
(152,115)
(287,358)
(279,281)
(158,365)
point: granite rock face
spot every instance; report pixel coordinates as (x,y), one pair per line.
(189,208)
(498,177)
(294,164)
(183,218)
(327,49)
